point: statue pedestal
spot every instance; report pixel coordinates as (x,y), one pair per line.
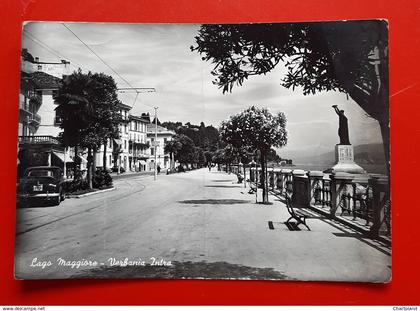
(344,159)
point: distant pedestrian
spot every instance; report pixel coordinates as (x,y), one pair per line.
(158,169)
(209,167)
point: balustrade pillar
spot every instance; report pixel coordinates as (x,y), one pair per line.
(341,191)
(271,179)
(287,182)
(301,189)
(381,205)
(276,179)
(315,183)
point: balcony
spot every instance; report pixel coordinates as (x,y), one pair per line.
(57,120)
(34,119)
(38,139)
(35,99)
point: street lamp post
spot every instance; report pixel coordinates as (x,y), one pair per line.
(155,142)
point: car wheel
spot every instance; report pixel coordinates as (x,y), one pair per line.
(62,196)
(57,200)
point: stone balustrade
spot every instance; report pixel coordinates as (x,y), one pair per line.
(355,196)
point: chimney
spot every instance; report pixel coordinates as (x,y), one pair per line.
(36,59)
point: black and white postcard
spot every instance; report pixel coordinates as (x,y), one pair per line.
(181,151)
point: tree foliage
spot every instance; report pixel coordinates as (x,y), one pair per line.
(205,137)
(88,108)
(324,56)
(74,107)
(255,129)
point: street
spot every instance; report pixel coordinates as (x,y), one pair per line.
(198,224)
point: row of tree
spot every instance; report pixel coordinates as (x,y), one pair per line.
(89,113)
(248,135)
(254,132)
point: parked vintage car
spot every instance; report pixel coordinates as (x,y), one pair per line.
(41,183)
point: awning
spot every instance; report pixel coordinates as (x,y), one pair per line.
(142,162)
(82,158)
(118,142)
(61,157)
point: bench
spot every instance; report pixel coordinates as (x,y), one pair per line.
(299,217)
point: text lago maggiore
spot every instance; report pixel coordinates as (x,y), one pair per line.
(111,262)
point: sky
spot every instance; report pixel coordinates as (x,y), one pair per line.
(159,56)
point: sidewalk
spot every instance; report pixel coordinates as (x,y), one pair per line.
(330,251)
(132,174)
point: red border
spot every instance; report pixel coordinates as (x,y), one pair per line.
(403,16)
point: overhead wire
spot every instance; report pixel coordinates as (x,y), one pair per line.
(106,64)
(61,56)
(49,49)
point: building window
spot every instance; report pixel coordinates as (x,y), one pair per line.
(152,151)
(125,144)
(164,140)
(39,67)
(110,160)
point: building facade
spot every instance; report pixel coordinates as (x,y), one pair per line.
(117,150)
(138,143)
(39,126)
(157,146)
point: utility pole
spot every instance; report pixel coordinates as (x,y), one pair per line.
(156,142)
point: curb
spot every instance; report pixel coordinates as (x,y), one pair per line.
(89,193)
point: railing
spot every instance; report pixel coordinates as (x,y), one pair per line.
(39,139)
(35,99)
(362,199)
(57,120)
(34,118)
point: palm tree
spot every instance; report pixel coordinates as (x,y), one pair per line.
(172,147)
(75,110)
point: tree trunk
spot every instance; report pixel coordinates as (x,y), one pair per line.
(264,178)
(244,175)
(104,158)
(384,125)
(76,171)
(94,161)
(89,168)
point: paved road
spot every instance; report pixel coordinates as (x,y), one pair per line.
(202,222)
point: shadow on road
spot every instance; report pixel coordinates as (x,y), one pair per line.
(215,201)
(185,270)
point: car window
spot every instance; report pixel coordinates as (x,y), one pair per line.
(40,173)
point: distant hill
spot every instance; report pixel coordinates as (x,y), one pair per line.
(364,154)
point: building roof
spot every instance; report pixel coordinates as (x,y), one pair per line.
(138,118)
(124,106)
(160,129)
(42,80)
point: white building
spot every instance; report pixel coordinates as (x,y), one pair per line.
(163,135)
(117,150)
(39,126)
(138,143)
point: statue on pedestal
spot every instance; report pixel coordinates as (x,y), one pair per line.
(343,128)
(344,151)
